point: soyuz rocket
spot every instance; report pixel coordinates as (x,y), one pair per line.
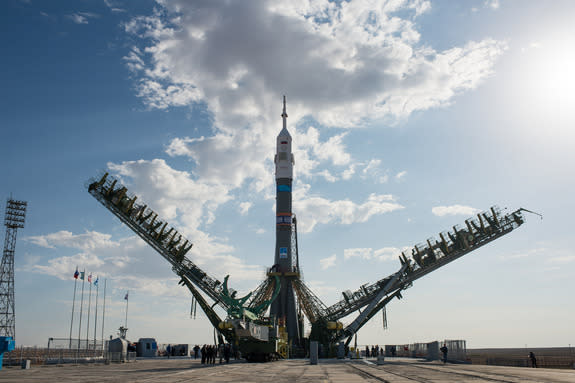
(284,306)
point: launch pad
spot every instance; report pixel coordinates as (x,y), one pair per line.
(261,335)
(395,370)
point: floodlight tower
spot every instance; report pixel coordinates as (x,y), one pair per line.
(13,220)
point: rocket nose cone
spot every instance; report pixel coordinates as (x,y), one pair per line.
(284,133)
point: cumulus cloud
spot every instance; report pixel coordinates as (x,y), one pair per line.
(86,241)
(315,209)
(441,211)
(234,57)
(327,262)
(131,263)
(340,63)
(174,191)
(383,254)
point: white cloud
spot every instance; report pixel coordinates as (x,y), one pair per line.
(114,6)
(88,240)
(81,17)
(244,207)
(314,210)
(441,211)
(383,254)
(357,46)
(327,262)
(348,63)
(373,171)
(172,191)
(400,176)
(134,265)
(493,4)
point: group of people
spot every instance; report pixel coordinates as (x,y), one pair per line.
(374,352)
(209,353)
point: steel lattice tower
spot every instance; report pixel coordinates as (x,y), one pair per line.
(14,219)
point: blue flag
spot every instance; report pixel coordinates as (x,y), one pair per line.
(96,281)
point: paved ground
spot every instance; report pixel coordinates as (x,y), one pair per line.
(394,370)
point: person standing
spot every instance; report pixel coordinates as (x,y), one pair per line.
(204,353)
(196,351)
(533,359)
(227,352)
(444,351)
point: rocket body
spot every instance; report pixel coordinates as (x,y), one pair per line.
(284,177)
(284,306)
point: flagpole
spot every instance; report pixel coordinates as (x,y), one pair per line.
(83,276)
(127,300)
(89,307)
(104,311)
(73,303)
(96,313)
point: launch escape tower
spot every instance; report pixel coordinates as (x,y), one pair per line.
(14,218)
(283,290)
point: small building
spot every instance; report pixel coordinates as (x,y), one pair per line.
(147,347)
(118,350)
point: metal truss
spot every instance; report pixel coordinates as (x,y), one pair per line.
(14,219)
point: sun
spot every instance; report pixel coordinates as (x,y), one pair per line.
(550,74)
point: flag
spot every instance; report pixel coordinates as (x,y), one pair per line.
(82,275)
(90,278)
(126,296)
(96,281)
(76,273)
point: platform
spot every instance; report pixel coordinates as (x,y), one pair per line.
(394,370)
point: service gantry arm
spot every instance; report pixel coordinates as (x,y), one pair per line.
(424,259)
(157,233)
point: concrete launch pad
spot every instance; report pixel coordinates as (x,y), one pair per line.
(186,370)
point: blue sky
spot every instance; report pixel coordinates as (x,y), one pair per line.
(399,111)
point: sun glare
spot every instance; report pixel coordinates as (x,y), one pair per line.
(551,76)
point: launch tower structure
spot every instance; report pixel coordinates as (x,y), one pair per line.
(14,219)
(258,334)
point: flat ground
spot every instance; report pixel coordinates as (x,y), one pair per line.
(331,370)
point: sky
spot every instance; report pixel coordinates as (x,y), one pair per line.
(407,117)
